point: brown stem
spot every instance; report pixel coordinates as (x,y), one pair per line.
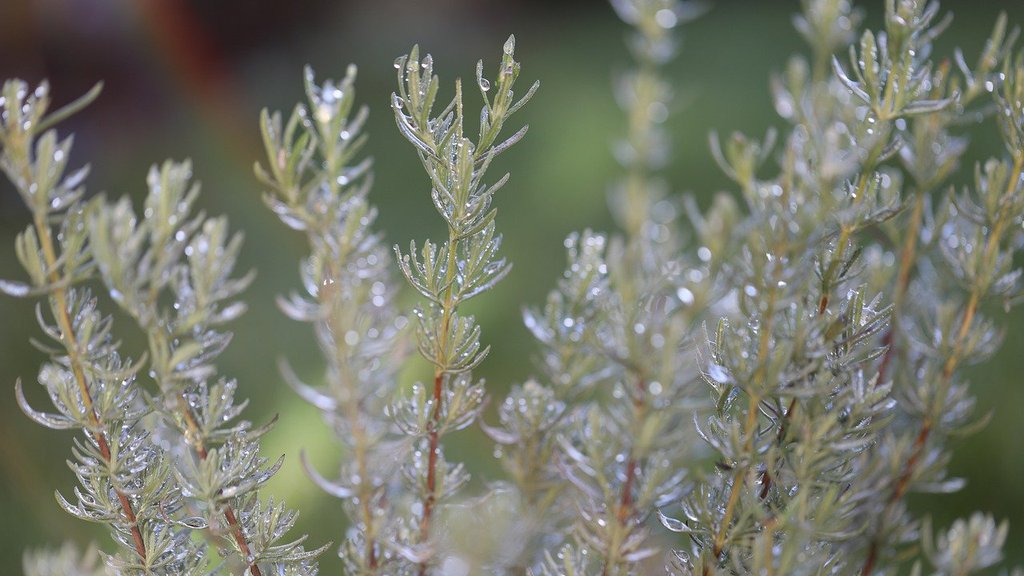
(822,304)
(971,309)
(626,499)
(869,563)
(229,513)
(433,434)
(903,481)
(63,317)
(908,471)
(433,441)
(766,477)
(902,484)
(907,259)
(626,503)
(766,484)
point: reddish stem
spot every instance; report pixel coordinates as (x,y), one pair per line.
(71,345)
(126,505)
(229,515)
(626,498)
(902,484)
(434,440)
(229,512)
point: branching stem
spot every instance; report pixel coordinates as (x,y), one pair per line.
(952,361)
(194,437)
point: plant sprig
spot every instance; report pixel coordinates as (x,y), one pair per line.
(449,274)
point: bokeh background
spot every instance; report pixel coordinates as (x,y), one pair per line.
(187,78)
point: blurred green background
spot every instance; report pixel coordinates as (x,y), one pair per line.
(188,78)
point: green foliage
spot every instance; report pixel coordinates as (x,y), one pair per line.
(168,469)
(751,388)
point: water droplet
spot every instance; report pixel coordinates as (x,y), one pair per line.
(455,566)
(324,112)
(685,296)
(485,84)
(717,373)
(666,18)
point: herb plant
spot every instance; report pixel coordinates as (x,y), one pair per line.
(170,467)
(754,387)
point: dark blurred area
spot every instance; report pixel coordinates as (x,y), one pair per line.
(188,79)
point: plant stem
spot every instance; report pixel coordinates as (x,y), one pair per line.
(639,137)
(359,441)
(907,260)
(750,427)
(955,356)
(63,316)
(194,436)
(845,232)
(626,506)
(903,481)
(229,513)
(737,483)
(844,239)
(433,442)
(433,434)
